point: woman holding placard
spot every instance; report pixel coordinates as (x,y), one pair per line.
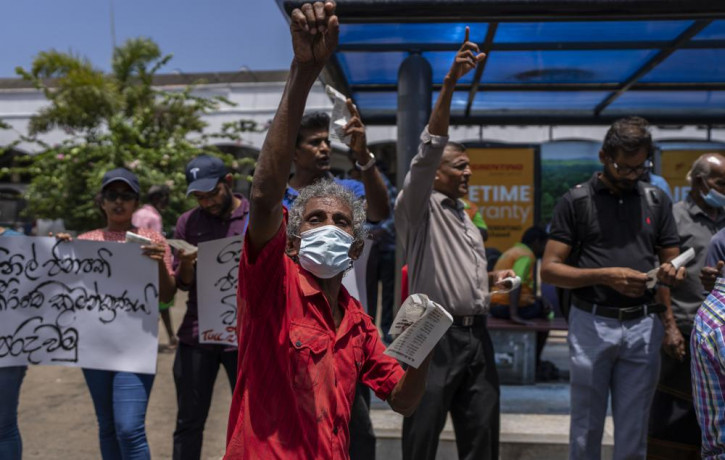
(121,398)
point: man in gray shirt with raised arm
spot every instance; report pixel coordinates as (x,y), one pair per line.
(447,262)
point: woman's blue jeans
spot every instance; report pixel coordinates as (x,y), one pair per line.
(120,400)
(11,445)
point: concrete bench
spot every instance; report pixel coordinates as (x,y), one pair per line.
(514,347)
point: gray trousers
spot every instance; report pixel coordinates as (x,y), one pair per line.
(621,357)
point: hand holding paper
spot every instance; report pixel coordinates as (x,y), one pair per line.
(182,245)
(507,285)
(419,325)
(677,263)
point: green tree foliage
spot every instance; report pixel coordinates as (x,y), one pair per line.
(112,120)
(558,176)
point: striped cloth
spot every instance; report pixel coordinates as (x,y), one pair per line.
(708,371)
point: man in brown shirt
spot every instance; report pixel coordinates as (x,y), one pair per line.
(447,261)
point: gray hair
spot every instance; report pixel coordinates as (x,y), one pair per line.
(702,166)
(327,188)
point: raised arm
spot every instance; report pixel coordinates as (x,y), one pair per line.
(314,29)
(376,193)
(419,181)
(466,59)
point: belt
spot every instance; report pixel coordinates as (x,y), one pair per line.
(621,314)
(470,321)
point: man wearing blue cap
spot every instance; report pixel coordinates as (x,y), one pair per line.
(220,214)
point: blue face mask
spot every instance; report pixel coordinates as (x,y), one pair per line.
(324,251)
(714,199)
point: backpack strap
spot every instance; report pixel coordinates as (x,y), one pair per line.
(652,198)
(581,196)
(582,203)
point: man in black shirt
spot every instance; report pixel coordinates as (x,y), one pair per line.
(618,229)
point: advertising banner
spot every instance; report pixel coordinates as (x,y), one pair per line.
(503,188)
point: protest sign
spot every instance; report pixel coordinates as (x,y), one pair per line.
(81,303)
(217,272)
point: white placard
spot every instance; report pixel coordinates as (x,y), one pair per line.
(81,303)
(217,272)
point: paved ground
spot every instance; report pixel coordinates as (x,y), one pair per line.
(57,420)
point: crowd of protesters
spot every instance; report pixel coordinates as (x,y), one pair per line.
(645,336)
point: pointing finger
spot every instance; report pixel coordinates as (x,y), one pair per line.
(468,32)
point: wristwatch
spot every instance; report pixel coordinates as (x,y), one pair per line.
(368,165)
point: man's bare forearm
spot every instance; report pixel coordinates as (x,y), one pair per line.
(664,297)
(440,117)
(565,276)
(376,194)
(275,158)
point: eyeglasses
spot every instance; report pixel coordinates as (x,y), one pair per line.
(112,195)
(638,170)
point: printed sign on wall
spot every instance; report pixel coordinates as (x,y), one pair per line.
(81,303)
(502,186)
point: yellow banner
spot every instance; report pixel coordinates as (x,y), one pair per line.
(675,165)
(502,186)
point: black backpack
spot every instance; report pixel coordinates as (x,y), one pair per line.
(581,198)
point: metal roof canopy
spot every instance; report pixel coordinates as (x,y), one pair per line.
(576,62)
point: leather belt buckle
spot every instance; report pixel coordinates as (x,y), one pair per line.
(635,312)
(467,321)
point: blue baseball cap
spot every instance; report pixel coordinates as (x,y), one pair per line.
(203,173)
(123,175)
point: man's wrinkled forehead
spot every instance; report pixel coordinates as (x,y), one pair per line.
(328,204)
(310,134)
(451,154)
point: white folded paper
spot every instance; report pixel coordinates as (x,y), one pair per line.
(677,262)
(510,283)
(340,115)
(183,245)
(136,238)
(419,325)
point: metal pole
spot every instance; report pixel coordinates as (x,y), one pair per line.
(415,92)
(415,87)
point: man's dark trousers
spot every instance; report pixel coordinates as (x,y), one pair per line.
(362,435)
(193,394)
(462,379)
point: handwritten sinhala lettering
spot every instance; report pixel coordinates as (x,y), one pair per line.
(35,338)
(58,264)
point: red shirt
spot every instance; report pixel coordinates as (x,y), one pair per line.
(296,373)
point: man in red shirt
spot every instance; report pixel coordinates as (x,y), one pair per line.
(303,341)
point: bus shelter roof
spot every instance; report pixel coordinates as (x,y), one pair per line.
(578,62)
